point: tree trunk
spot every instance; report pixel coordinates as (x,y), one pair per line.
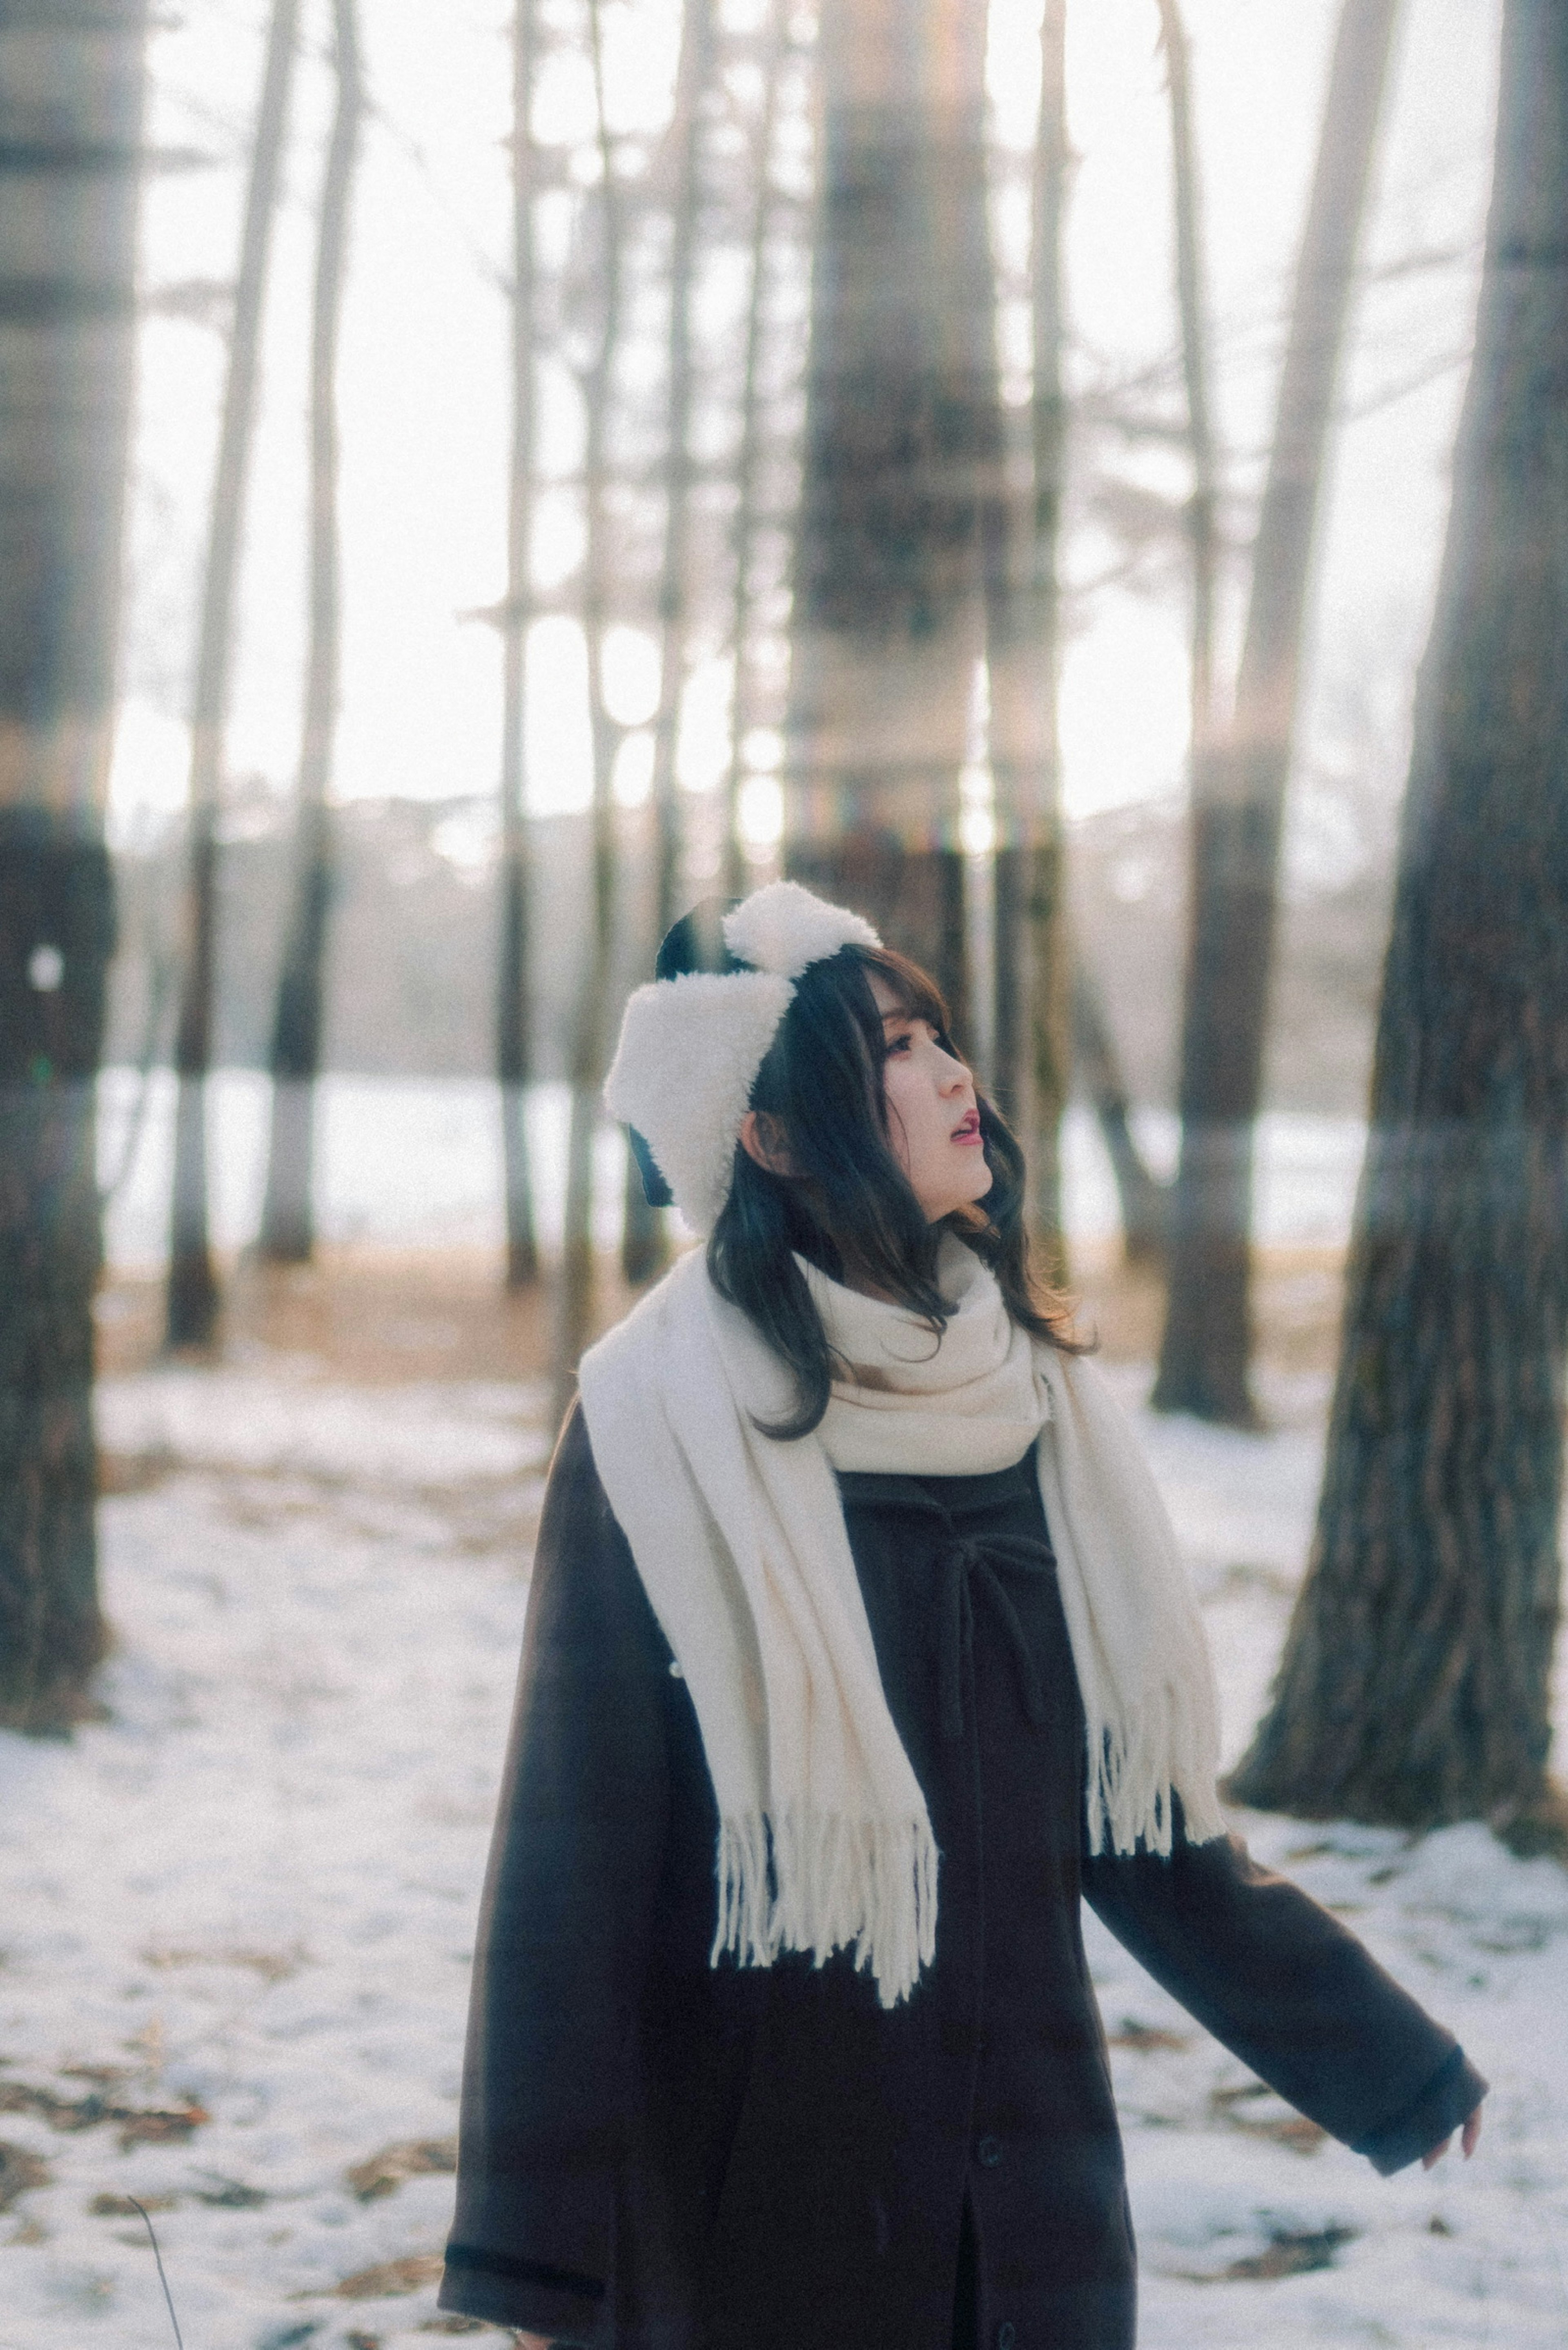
(1192,309)
(1240,775)
(513,992)
(575,1297)
(192,1301)
(289,1224)
(902,461)
(645,1246)
(1029,1015)
(1417,1678)
(70,114)
(749,456)
(1142,1199)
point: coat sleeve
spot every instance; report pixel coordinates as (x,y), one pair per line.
(564,1927)
(1286,1988)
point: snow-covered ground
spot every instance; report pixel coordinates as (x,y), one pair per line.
(235,1917)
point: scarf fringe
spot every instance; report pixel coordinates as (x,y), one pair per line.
(1131,1780)
(818,1882)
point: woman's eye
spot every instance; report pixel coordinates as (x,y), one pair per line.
(898,1044)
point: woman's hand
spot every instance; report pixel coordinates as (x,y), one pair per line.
(1468,2139)
(531,2341)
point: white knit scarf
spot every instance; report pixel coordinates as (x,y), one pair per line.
(739,1541)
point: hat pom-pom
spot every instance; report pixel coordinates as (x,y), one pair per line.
(784,928)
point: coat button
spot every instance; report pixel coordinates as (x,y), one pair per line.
(1006,2335)
(989,2152)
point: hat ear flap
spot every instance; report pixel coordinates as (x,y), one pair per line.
(683,1076)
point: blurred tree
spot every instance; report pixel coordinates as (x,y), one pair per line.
(1416,1684)
(575,1295)
(1192,312)
(902,461)
(71,91)
(191,1303)
(513,990)
(1143,1201)
(760,222)
(645,1246)
(1030,1020)
(1141,1198)
(1240,771)
(288,1221)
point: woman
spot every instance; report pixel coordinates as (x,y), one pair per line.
(857,1649)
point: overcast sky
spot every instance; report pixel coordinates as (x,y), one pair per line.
(424,388)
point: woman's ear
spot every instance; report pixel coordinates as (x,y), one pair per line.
(762,1139)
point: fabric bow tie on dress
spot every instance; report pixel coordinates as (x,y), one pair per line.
(980,1567)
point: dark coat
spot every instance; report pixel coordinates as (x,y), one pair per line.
(661,2154)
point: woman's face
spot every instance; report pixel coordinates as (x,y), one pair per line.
(933,1124)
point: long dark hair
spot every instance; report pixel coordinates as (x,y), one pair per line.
(847,1197)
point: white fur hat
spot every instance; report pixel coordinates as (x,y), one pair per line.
(690,1047)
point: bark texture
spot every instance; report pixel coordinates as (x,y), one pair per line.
(1416,1681)
(192,1304)
(71,91)
(902,461)
(1240,775)
(288,1220)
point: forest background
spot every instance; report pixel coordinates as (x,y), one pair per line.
(424,399)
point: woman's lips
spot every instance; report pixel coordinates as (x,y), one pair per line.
(970,1131)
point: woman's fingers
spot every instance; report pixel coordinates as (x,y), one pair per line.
(1469,2137)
